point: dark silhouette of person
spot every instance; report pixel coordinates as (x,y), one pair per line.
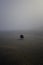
(21,36)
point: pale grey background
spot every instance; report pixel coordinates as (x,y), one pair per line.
(21,14)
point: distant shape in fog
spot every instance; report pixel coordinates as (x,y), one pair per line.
(21,36)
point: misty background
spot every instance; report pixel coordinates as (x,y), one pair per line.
(21,15)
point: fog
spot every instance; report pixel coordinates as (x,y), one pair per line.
(21,14)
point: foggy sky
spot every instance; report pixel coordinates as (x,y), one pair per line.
(21,14)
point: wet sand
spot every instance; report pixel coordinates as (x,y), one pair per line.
(14,51)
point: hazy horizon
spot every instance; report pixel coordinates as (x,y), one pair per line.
(21,15)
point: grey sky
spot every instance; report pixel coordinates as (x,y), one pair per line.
(21,14)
